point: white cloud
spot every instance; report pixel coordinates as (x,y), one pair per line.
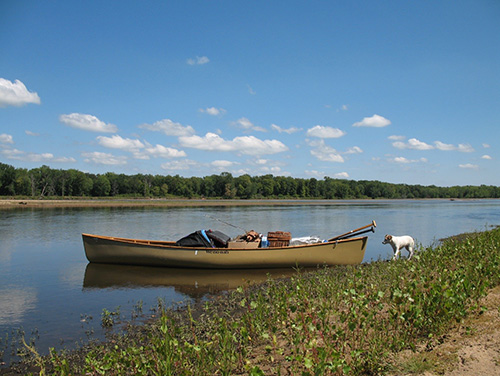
(16,94)
(249,145)
(117,142)
(414,144)
(375,121)
(396,138)
(87,123)
(354,150)
(464,148)
(486,156)
(222,164)
(139,149)
(164,152)
(324,132)
(443,146)
(213,111)
(315,173)
(341,175)
(179,165)
(33,134)
(20,155)
(169,128)
(250,90)
(247,125)
(6,139)
(486,146)
(469,166)
(198,60)
(104,158)
(324,152)
(404,160)
(290,130)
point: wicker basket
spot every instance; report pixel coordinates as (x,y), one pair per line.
(279,239)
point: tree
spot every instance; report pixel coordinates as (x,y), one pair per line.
(7,179)
(101,186)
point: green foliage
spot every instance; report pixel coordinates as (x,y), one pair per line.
(332,321)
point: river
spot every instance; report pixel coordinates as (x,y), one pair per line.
(49,291)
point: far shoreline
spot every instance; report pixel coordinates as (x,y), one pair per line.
(166,203)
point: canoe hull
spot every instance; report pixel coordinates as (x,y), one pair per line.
(112,250)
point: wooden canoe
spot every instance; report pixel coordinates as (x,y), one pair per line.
(114,250)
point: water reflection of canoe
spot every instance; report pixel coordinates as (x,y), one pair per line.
(345,249)
(192,282)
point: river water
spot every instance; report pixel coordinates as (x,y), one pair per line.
(49,291)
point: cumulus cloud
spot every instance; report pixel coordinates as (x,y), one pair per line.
(324,152)
(375,121)
(20,155)
(469,166)
(179,165)
(87,123)
(104,158)
(315,173)
(33,134)
(486,156)
(341,175)
(117,142)
(412,143)
(247,125)
(16,94)
(139,149)
(221,164)
(290,130)
(198,60)
(404,160)
(213,111)
(396,138)
(416,144)
(248,145)
(324,132)
(169,128)
(163,151)
(464,148)
(354,150)
(6,139)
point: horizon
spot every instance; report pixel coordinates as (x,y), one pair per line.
(399,92)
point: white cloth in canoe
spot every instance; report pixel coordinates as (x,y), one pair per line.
(306,240)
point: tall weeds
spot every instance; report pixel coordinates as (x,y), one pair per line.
(334,321)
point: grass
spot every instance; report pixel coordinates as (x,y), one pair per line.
(333,321)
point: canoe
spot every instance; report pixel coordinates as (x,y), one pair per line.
(346,249)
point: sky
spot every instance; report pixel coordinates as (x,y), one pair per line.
(396,91)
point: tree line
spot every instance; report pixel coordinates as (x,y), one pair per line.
(47,182)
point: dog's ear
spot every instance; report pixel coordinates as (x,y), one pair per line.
(388,237)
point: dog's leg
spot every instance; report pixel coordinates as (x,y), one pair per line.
(396,253)
(410,249)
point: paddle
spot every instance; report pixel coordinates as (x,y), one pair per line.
(355,232)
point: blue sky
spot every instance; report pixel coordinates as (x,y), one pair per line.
(396,91)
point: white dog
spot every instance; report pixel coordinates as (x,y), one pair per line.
(399,242)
